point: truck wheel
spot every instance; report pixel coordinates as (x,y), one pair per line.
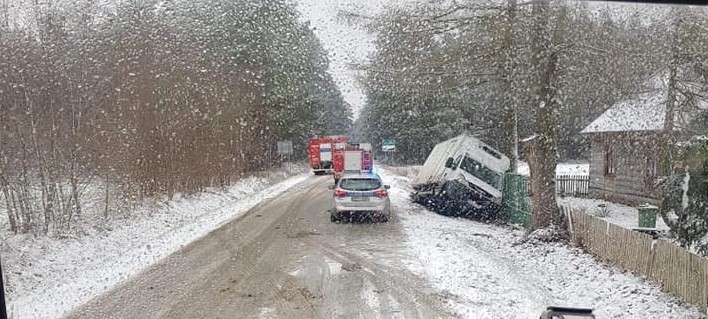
(444,203)
(440,197)
(415,198)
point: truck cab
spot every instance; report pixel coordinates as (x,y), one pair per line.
(462,176)
(471,170)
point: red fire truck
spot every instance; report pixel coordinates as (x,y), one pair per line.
(354,157)
(320,152)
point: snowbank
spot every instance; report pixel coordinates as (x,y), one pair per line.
(47,277)
(479,271)
(618,214)
(561,168)
(409,172)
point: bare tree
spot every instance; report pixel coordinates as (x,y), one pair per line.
(149,102)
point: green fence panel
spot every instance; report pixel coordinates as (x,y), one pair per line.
(517,203)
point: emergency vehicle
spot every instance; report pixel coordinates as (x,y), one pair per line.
(320,151)
(352,158)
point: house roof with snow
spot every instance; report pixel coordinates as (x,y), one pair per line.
(643,113)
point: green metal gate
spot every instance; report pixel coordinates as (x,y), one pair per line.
(517,203)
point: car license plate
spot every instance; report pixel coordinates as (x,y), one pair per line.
(360,199)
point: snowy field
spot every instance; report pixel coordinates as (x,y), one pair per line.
(481,270)
(47,277)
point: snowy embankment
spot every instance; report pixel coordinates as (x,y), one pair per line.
(481,271)
(48,277)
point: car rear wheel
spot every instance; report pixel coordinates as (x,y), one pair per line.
(334,218)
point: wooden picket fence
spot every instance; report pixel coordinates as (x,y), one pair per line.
(573,185)
(674,268)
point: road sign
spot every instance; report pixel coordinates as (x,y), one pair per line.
(285,148)
(388,145)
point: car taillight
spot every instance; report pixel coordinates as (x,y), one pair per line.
(381,193)
(340,193)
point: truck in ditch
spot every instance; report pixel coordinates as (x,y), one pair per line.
(462,176)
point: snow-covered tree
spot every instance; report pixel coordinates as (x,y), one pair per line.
(686,200)
(151,97)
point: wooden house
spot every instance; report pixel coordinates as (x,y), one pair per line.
(625,144)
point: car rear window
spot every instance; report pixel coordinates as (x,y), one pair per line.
(360,184)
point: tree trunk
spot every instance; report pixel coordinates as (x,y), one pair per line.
(23,196)
(667,141)
(75,187)
(5,186)
(9,208)
(65,205)
(668,138)
(4,16)
(509,90)
(42,169)
(73,166)
(53,173)
(24,226)
(543,184)
(106,198)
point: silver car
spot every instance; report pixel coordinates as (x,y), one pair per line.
(360,195)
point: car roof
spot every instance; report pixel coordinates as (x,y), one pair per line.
(360,175)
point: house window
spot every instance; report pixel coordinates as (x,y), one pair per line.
(650,171)
(610,163)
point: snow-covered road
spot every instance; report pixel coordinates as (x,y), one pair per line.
(47,277)
(482,271)
(287,255)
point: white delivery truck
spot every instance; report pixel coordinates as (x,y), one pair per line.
(462,176)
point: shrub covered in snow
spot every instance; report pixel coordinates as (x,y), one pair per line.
(685,204)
